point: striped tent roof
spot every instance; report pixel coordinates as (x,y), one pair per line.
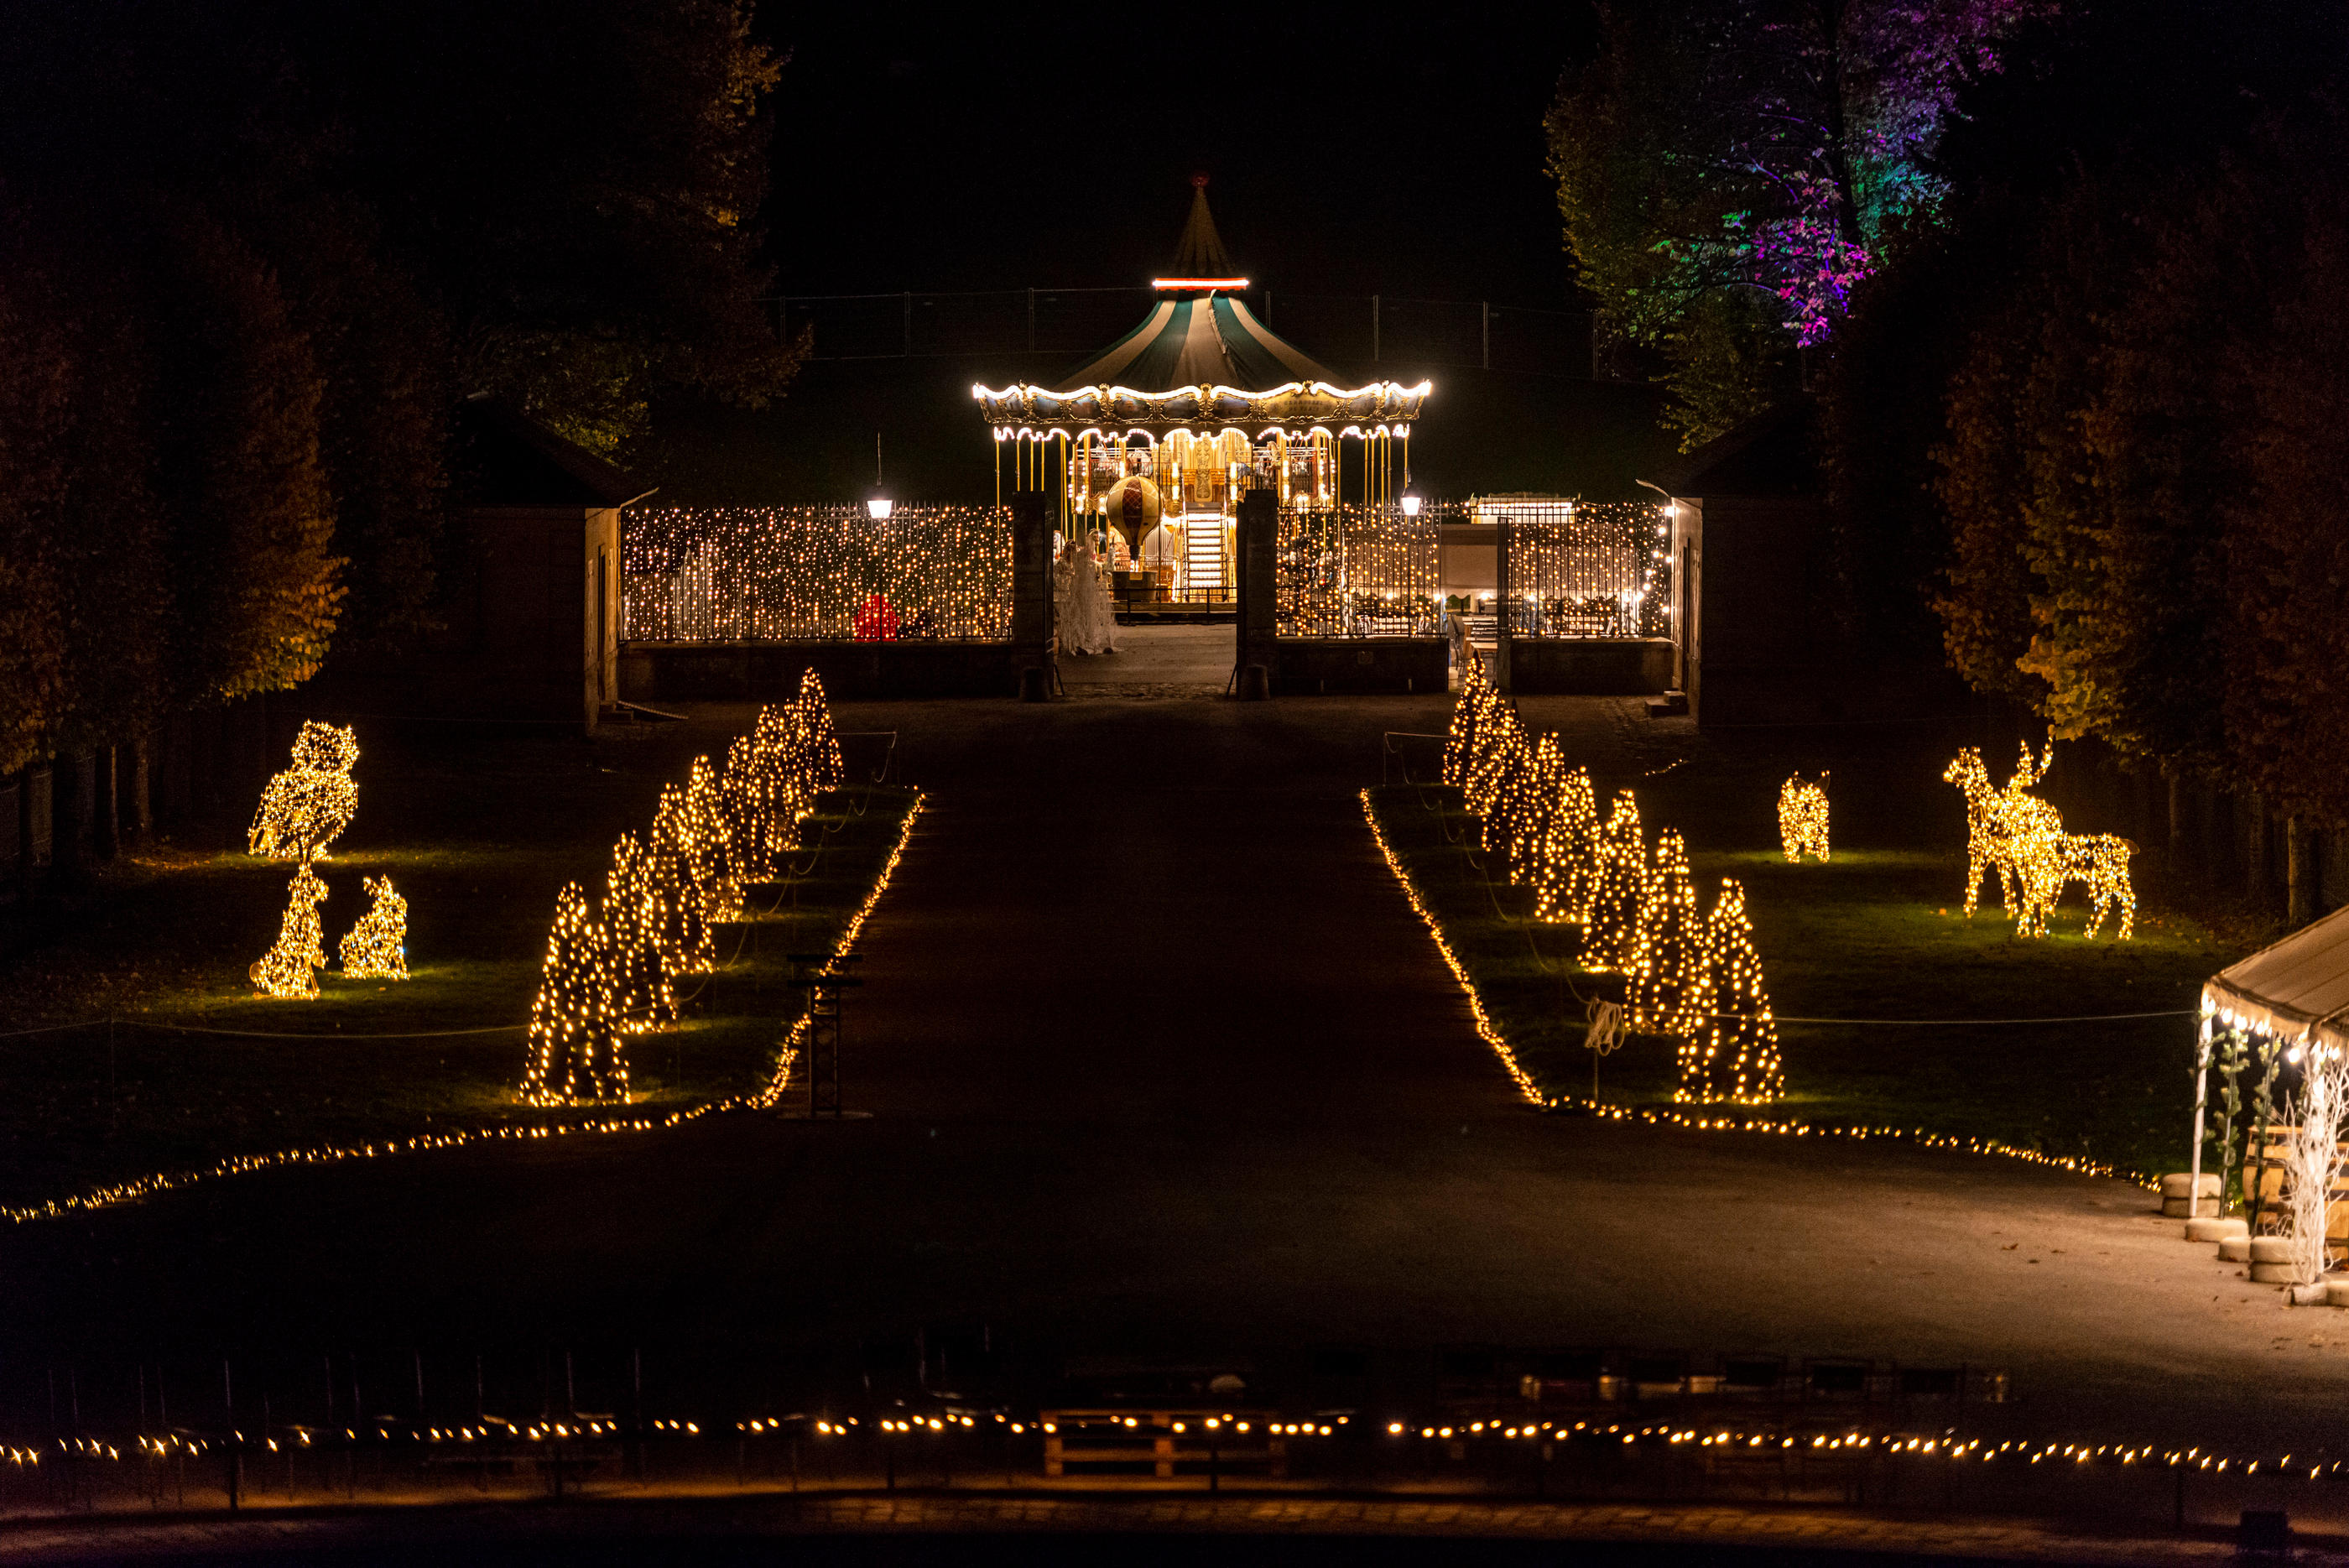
(1207,340)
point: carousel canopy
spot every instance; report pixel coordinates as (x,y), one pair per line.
(1200,358)
(2299,986)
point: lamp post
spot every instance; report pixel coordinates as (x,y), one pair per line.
(878,503)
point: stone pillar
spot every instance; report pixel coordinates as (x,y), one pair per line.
(1259,538)
(1032,592)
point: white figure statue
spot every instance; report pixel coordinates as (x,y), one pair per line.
(1080,601)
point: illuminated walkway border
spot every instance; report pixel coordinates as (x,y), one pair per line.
(1726,1122)
(787,1053)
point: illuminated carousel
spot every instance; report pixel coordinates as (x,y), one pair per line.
(1151,442)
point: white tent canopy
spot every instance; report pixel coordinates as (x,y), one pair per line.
(2295,988)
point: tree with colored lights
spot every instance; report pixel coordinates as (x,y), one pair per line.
(1729,170)
(1666,980)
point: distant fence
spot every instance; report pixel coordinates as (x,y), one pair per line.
(1351,328)
(799,574)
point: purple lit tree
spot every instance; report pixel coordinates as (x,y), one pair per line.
(1729,170)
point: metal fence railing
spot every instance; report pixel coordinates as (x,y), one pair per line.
(785,574)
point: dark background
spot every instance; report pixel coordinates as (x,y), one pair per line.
(1346,157)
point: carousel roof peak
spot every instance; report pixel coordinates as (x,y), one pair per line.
(1199,253)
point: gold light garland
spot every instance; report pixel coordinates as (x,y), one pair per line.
(303,809)
(1485,1029)
(290,969)
(376,948)
(1802,817)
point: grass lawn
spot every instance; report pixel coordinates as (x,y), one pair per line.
(478,834)
(1877,932)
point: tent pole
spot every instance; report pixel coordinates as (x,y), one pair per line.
(2201,1098)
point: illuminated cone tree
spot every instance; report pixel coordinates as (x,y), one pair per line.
(687,944)
(1464,739)
(376,948)
(1618,889)
(1666,981)
(574,1024)
(1737,1057)
(633,916)
(291,967)
(1500,743)
(1535,799)
(823,767)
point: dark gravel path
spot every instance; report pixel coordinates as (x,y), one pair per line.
(1160,1063)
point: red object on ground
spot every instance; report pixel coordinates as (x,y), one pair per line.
(876,620)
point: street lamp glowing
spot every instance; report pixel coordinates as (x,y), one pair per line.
(878,503)
(1410,504)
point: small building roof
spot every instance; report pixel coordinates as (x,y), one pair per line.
(502,457)
(1773,455)
(2296,988)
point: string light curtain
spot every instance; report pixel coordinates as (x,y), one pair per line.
(785,574)
(1357,571)
(1585,569)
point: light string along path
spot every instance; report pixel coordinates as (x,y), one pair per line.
(1583,871)
(578,1046)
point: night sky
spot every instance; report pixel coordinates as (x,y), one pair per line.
(1347,155)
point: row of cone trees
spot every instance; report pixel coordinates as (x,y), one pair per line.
(611,970)
(1688,974)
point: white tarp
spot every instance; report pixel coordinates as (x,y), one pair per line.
(2294,987)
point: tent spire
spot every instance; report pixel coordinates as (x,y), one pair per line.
(1200,253)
